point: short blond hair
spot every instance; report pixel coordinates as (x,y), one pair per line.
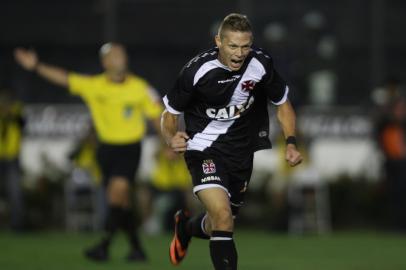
(235,22)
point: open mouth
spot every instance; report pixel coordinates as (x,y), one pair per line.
(236,63)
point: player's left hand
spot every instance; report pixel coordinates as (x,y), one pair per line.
(293,157)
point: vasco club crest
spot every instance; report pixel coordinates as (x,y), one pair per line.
(208,166)
(248,85)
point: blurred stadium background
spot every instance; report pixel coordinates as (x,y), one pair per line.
(341,59)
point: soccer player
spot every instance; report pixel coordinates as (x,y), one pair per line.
(118,101)
(224,93)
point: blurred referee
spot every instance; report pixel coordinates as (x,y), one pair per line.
(118,102)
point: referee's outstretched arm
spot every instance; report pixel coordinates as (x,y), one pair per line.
(29,60)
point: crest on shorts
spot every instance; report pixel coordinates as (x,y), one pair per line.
(208,166)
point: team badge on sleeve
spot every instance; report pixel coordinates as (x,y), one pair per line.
(208,166)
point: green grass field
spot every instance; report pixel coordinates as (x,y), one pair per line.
(257,250)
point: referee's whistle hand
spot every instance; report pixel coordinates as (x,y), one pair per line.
(179,142)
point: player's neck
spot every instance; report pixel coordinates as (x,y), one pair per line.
(221,60)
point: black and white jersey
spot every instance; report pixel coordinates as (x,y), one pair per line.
(226,111)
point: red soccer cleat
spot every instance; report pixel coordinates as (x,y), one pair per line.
(180,241)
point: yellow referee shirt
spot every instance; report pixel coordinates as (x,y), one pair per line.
(118,109)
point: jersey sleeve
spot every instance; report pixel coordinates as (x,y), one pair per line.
(79,84)
(151,103)
(179,96)
(275,86)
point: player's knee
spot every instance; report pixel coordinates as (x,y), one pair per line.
(223,220)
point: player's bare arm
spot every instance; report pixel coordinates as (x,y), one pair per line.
(169,128)
(287,119)
(29,60)
(156,123)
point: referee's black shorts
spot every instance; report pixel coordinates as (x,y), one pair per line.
(210,171)
(118,160)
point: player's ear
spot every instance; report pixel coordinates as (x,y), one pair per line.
(217,39)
